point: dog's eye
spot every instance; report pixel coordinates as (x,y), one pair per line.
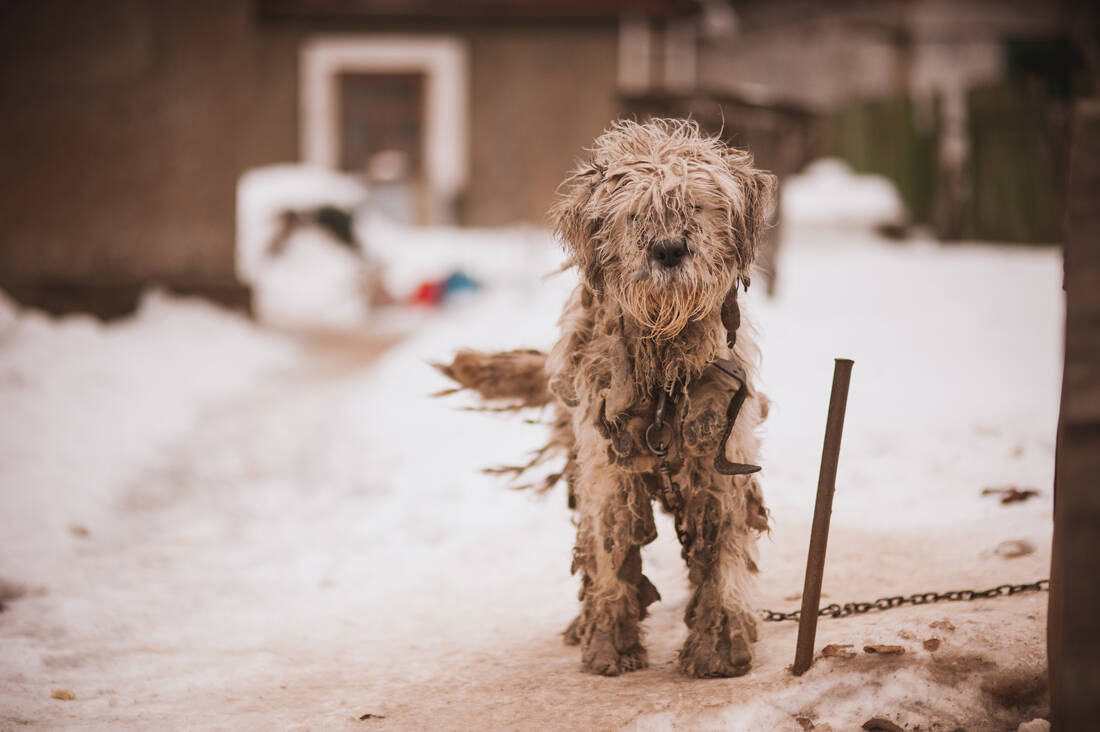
(697,209)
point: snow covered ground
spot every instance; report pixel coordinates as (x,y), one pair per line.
(209,526)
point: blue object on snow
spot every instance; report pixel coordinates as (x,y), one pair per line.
(459,281)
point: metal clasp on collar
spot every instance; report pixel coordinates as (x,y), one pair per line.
(658,435)
(658,438)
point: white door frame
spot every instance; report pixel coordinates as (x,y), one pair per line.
(444,62)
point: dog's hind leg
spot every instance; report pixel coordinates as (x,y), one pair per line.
(718,543)
(616,519)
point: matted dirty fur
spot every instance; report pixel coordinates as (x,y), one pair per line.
(662,224)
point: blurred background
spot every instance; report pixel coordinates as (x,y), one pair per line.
(129,126)
(235,233)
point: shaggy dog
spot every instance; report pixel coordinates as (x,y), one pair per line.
(652,385)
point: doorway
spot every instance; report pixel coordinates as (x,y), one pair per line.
(393,107)
(381,139)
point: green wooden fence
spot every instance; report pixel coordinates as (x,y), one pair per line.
(1013,187)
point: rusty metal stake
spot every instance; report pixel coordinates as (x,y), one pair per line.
(823,509)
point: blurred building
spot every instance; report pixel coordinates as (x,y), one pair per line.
(128,123)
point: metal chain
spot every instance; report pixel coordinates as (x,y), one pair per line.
(659,443)
(889,603)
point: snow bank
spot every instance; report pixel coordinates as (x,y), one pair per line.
(829,193)
(315,282)
(263,193)
(86,404)
(514,257)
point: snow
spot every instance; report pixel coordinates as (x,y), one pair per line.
(828,193)
(513,258)
(315,282)
(209,525)
(85,405)
(263,193)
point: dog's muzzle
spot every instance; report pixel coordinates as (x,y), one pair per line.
(669,252)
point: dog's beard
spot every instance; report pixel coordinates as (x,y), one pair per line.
(665,303)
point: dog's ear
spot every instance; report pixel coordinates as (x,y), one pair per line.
(576,222)
(750,204)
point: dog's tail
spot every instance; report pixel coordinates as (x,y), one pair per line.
(506,380)
(510,381)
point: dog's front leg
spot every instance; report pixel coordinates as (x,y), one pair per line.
(616,519)
(717,545)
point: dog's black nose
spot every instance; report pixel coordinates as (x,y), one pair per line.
(669,252)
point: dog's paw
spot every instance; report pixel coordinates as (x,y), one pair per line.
(716,655)
(601,657)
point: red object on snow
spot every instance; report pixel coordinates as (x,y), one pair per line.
(428,293)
